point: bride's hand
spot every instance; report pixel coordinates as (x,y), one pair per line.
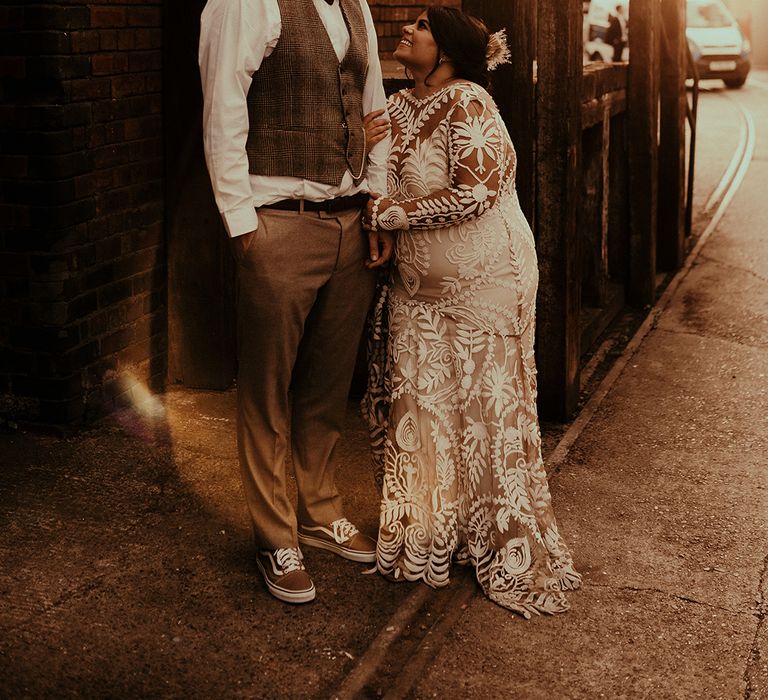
(376,128)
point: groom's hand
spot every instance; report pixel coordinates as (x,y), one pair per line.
(381,245)
(240,244)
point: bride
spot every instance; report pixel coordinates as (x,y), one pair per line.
(452,387)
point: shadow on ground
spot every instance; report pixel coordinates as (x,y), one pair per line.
(126,567)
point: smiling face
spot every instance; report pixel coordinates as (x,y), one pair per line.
(417,49)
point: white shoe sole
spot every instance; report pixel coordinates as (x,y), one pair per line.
(285,595)
(341,550)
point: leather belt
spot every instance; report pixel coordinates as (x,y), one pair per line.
(329,206)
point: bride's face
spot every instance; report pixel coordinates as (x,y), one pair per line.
(417,49)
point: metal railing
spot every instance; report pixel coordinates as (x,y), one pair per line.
(691,111)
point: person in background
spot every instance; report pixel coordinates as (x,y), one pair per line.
(286,84)
(617,33)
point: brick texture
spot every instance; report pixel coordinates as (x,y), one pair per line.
(391,15)
(82,242)
(82,267)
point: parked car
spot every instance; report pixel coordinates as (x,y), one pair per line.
(718,46)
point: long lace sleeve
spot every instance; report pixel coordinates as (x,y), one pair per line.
(480,160)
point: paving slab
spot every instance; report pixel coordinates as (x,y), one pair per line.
(664,498)
(126,567)
(126,564)
(615,643)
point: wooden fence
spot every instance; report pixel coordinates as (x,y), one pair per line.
(602,171)
(601,177)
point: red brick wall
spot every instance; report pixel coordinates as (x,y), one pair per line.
(82,248)
(82,272)
(391,15)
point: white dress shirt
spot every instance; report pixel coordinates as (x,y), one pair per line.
(235,37)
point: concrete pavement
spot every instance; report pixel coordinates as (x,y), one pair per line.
(665,499)
(126,567)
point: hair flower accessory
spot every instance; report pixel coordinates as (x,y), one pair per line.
(497,51)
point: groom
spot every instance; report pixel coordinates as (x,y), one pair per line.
(285,85)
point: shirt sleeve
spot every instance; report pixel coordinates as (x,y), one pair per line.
(235,36)
(373,99)
(478,156)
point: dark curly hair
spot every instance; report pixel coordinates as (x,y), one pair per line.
(463,39)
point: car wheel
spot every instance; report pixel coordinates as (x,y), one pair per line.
(735,83)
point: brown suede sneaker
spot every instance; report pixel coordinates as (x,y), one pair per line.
(340,537)
(285,576)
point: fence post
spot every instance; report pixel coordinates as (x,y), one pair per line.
(513,87)
(558,184)
(671,224)
(643,122)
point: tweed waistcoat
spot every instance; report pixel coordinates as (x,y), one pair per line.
(304,106)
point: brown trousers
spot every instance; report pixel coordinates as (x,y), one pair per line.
(303,294)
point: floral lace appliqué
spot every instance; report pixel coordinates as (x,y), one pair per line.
(451,401)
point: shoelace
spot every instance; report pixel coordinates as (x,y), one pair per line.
(289,559)
(343,530)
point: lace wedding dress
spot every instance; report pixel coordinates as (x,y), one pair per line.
(452,386)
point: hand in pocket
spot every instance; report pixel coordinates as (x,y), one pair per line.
(240,245)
